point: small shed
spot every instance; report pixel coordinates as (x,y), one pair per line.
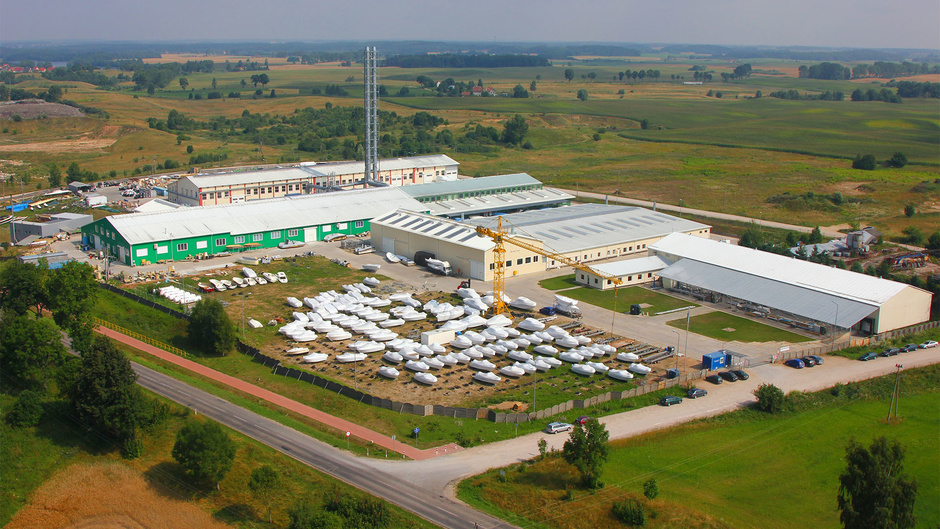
(54,260)
(93,200)
(79,187)
(716,360)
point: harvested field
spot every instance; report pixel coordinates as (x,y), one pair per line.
(33,108)
(106,495)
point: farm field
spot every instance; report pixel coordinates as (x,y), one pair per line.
(724,472)
(732,154)
(728,327)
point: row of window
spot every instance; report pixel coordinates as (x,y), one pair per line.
(519,261)
(649,275)
(472,194)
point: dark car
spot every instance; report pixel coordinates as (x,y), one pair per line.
(582,420)
(548,311)
(891,351)
(816,358)
(741,374)
(909,347)
(870,355)
(729,376)
(669,400)
(809,361)
(795,363)
(695,393)
(714,379)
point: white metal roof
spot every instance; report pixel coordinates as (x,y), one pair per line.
(248,177)
(389,164)
(772,293)
(632,266)
(499,202)
(436,228)
(261,215)
(465,185)
(785,270)
(585,226)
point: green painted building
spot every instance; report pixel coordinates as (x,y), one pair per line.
(145,238)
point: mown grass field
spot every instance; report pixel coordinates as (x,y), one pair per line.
(559,283)
(624,297)
(744,469)
(729,328)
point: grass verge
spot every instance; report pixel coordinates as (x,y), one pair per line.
(729,328)
(558,283)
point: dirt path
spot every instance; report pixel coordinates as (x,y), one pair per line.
(342,425)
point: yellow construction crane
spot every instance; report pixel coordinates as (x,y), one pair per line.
(500,237)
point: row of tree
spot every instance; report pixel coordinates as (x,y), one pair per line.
(453,60)
(890,70)
(833,95)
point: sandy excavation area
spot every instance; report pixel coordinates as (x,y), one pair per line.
(106,496)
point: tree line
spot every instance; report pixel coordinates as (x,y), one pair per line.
(890,70)
(453,60)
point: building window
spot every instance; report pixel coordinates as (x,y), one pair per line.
(202,245)
(162,250)
(360,223)
(582,277)
(519,261)
(226,194)
(492,266)
(211,195)
(342,226)
(608,281)
(508,264)
(182,247)
(220,242)
(257,237)
(141,252)
(274,235)
(649,274)
(629,278)
(293,233)
(595,280)
(269,190)
(254,191)
(326,228)
(528,260)
(239,239)
(203,196)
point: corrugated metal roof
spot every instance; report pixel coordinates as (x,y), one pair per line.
(248,177)
(584,226)
(802,274)
(435,228)
(493,203)
(466,185)
(632,266)
(772,293)
(388,164)
(262,215)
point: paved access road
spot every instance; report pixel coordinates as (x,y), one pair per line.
(360,473)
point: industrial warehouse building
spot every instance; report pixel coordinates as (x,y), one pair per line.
(144,238)
(405,233)
(788,289)
(25,231)
(593,232)
(586,232)
(630,271)
(487,195)
(308,178)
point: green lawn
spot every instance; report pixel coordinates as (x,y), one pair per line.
(744,469)
(714,325)
(558,283)
(627,296)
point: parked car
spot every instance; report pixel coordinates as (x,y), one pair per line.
(929,344)
(890,351)
(818,359)
(795,363)
(909,347)
(870,355)
(729,376)
(695,393)
(741,374)
(582,420)
(809,361)
(669,400)
(714,379)
(558,427)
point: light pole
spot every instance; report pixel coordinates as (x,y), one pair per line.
(685,352)
(835,324)
(678,336)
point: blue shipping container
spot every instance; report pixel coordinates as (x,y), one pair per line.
(715,360)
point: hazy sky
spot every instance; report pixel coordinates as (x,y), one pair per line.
(851,23)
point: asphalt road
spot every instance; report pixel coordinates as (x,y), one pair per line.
(359,473)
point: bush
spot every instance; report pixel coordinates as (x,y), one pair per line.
(26,410)
(306,516)
(651,489)
(630,512)
(210,327)
(770,398)
(866,162)
(898,159)
(909,210)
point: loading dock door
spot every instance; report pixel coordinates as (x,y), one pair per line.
(310,234)
(388,244)
(476,270)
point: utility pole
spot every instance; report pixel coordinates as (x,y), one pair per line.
(896,395)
